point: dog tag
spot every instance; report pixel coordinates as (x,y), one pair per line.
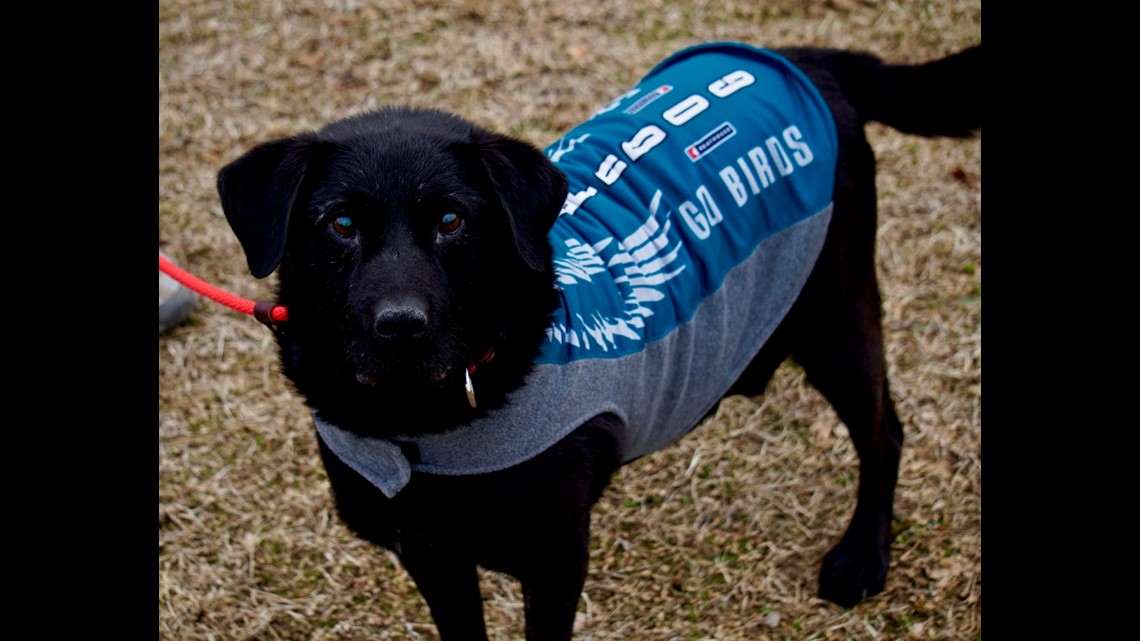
(470,388)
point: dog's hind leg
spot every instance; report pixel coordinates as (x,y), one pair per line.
(837,338)
(857,566)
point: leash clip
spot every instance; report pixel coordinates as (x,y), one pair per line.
(263,311)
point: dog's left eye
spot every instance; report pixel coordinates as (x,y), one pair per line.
(450,223)
(344,226)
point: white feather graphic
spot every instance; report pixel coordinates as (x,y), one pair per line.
(641,263)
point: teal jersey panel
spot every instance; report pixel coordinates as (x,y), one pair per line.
(675,183)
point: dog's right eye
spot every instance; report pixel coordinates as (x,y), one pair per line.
(344,227)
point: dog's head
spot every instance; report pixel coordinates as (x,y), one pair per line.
(404,239)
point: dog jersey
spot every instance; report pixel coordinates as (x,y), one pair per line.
(698,204)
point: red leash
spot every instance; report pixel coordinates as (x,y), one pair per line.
(267,312)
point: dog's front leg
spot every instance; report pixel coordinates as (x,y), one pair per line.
(450,585)
(561,485)
(552,588)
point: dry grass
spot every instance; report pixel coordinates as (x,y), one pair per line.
(719,537)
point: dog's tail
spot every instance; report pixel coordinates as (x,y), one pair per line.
(938,98)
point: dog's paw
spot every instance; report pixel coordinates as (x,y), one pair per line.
(853,571)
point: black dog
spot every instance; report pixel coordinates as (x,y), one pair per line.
(485,332)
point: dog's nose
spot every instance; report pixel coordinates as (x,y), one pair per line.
(404,320)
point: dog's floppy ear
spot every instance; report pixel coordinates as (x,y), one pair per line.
(257,193)
(530,188)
